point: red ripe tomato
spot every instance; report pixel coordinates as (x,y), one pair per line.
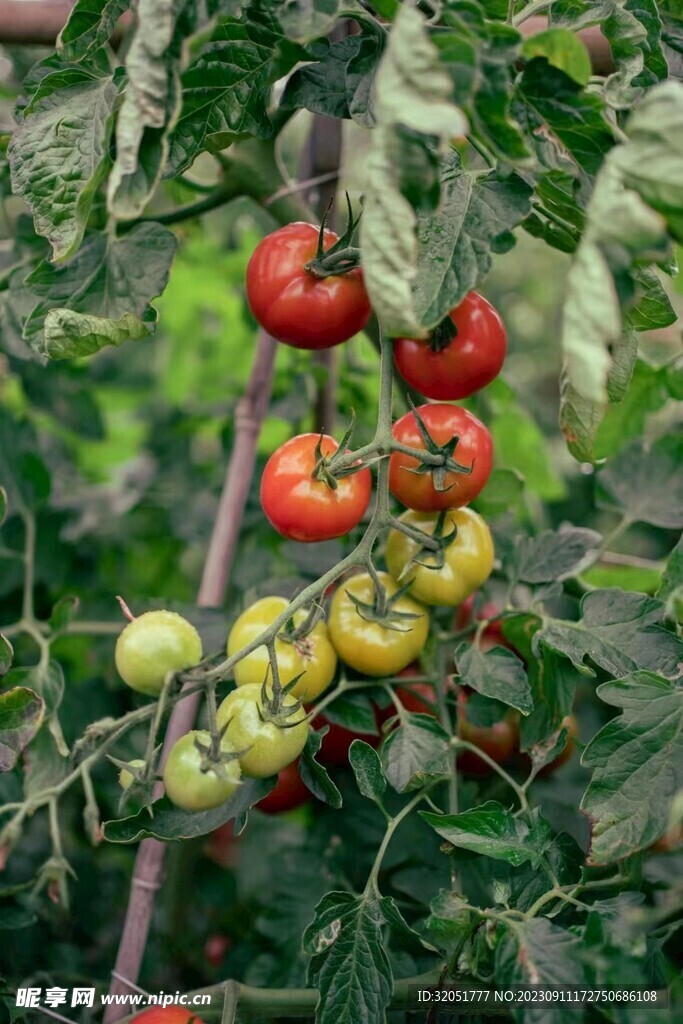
(304,508)
(499,741)
(167,1015)
(334,749)
(669,842)
(292,304)
(215,948)
(467,363)
(289,792)
(493,634)
(474,450)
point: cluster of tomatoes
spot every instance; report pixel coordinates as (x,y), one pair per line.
(305,288)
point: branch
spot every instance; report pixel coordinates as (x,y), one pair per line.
(149,863)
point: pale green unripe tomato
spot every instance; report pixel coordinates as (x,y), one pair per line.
(187,785)
(126,778)
(154,644)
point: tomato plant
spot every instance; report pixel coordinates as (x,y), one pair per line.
(294,303)
(308,657)
(169,177)
(301,498)
(376,634)
(460,442)
(466,355)
(450,574)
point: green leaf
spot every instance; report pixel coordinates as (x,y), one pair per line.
(415,753)
(60,153)
(565,858)
(562,49)
(102,295)
(619,632)
(626,420)
(63,612)
(537,952)
(633,30)
(520,444)
(637,762)
(498,674)
(170,823)
(354,711)
(457,243)
(553,680)
(450,921)
(555,101)
(349,964)
(340,83)
(314,775)
(90,26)
(22,471)
(150,108)
(226,91)
(552,554)
(671,589)
(653,307)
(493,831)
(303,20)
(411,92)
(21,715)
(504,491)
(45,765)
(644,483)
(4,505)
(6,655)
(367,769)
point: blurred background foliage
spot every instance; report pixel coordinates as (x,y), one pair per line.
(135,441)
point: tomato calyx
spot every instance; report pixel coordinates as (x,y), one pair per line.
(442,335)
(432,553)
(445,452)
(273,708)
(382,609)
(327,469)
(340,258)
(298,636)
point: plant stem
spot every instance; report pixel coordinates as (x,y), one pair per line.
(537,7)
(29,566)
(394,822)
(519,790)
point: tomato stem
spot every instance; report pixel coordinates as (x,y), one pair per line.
(125,609)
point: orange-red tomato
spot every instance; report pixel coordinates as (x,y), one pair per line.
(467,363)
(304,508)
(167,1015)
(216,947)
(499,741)
(293,305)
(473,451)
(289,792)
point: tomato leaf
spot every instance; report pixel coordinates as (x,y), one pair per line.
(494,831)
(226,90)
(565,858)
(450,921)
(60,152)
(551,555)
(63,612)
(367,769)
(504,491)
(339,83)
(633,30)
(498,673)
(170,822)
(637,762)
(90,25)
(619,632)
(644,483)
(415,753)
(100,297)
(354,711)
(537,952)
(349,964)
(22,471)
(458,242)
(6,655)
(411,92)
(553,680)
(314,775)
(45,765)
(21,715)
(671,589)
(562,49)
(307,19)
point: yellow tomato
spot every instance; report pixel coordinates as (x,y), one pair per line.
(313,654)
